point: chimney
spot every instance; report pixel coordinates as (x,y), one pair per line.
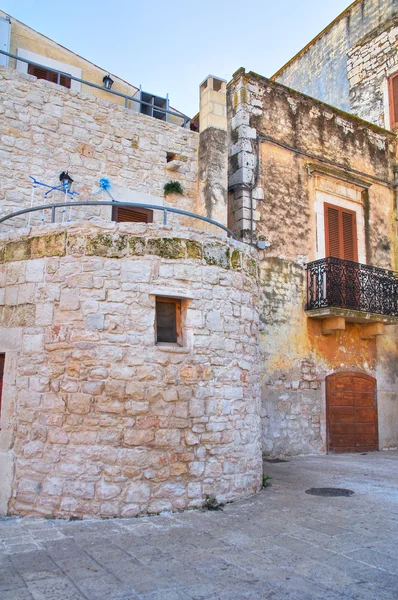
(213,150)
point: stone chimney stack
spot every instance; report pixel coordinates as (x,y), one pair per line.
(213,150)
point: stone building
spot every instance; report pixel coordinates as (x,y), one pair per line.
(147,358)
(38,55)
(351,64)
(317,184)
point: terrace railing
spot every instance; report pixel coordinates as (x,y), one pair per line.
(127,99)
(336,283)
(53,210)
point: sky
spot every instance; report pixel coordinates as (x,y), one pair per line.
(172,47)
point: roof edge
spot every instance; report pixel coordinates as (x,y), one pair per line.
(353,118)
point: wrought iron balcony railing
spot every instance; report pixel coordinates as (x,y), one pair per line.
(336,283)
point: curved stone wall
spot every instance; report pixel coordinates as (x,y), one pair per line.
(99,421)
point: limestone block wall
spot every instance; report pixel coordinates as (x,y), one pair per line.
(320,69)
(46,129)
(370,63)
(96,419)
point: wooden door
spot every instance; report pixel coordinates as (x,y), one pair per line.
(351,410)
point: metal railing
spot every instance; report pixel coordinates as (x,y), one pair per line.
(126,97)
(336,283)
(71,205)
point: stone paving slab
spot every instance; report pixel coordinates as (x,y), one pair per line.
(279,545)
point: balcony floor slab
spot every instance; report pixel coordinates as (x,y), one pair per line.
(351,316)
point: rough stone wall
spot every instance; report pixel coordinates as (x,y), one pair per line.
(45,129)
(98,420)
(320,70)
(280,142)
(370,63)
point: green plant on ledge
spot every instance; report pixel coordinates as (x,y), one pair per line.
(266,480)
(173,187)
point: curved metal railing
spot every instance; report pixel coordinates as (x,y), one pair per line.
(165,209)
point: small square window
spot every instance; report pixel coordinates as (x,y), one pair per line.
(170,156)
(168,321)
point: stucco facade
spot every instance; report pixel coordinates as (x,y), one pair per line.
(291,154)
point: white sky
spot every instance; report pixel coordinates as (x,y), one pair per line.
(171,48)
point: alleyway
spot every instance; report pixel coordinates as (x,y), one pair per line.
(282,544)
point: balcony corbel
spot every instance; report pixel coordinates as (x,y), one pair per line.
(332,324)
(371,330)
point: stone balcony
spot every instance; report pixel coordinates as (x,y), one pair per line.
(340,291)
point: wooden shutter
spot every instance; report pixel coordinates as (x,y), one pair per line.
(393,100)
(341,233)
(349,237)
(168,320)
(332,231)
(124,214)
(42,73)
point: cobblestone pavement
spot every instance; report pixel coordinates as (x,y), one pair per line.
(281,544)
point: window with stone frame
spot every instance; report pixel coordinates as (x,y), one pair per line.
(168,321)
(393,100)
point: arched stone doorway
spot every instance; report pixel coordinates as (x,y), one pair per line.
(351,412)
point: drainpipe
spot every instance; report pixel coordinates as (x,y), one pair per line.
(256,178)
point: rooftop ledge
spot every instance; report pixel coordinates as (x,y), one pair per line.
(136,241)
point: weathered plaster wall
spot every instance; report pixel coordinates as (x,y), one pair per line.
(286,150)
(97,419)
(320,70)
(370,63)
(45,129)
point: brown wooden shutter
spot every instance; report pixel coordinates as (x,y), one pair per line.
(124,214)
(349,237)
(332,232)
(341,233)
(42,73)
(393,100)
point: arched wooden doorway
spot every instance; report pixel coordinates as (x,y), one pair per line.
(351,413)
